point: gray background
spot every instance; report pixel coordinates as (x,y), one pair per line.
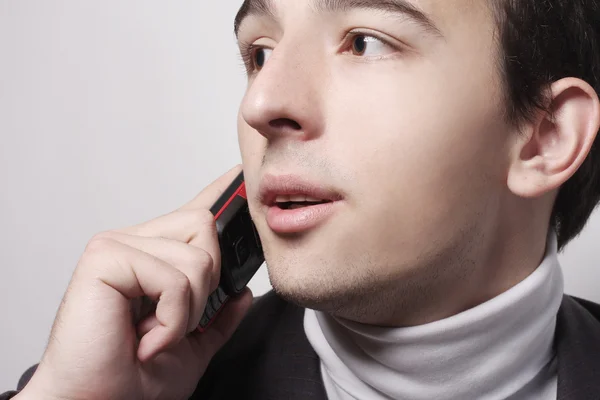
(112,113)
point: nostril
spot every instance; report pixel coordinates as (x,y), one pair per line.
(285,122)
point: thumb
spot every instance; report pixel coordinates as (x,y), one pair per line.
(221,330)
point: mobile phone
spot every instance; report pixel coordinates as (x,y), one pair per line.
(241,249)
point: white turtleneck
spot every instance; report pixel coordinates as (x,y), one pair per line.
(501,349)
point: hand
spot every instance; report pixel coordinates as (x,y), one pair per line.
(97,348)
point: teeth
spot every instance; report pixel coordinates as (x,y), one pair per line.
(282,199)
(297,198)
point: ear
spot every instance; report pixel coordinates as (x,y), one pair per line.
(553,147)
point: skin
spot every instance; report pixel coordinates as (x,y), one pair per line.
(414,136)
(98,351)
(445,204)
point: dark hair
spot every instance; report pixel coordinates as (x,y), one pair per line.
(543,41)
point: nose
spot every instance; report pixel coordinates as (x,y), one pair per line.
(284,98)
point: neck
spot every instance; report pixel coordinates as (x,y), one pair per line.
(508,340)
(469,277)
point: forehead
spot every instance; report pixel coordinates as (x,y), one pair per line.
(435,14)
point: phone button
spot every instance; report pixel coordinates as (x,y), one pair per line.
(214,301)
(221,295)
(209,311)
(242,251)
(204,320)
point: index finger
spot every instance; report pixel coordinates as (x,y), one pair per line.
(210,194)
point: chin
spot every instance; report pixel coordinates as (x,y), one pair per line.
(319,284)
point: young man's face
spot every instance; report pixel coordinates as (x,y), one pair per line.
(399,119)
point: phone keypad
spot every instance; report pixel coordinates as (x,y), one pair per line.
(214,303)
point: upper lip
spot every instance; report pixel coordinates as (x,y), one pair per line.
(272,186)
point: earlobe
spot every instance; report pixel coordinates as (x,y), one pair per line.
(554,146)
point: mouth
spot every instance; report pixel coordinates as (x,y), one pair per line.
(297,201)
(296,205)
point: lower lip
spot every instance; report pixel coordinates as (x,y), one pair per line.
(299,219)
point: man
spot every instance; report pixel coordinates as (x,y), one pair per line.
(413,167)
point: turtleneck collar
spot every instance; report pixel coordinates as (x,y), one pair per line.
(500,349)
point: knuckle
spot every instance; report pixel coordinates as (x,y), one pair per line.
(203,218)
(181,284)
(201,259)
(98,254)
(100,243)
(201,266)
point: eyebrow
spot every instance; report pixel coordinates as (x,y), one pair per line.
(266,8)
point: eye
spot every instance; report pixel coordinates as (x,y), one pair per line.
(254,56)
(260,57)
(367,45)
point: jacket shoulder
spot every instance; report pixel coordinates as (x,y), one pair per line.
(577,345)
(267,357)
(589,306)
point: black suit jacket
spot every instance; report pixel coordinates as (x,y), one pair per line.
(270,358)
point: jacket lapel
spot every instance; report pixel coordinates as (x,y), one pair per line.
(298,375)
(577,344)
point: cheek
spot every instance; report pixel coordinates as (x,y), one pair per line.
(424,152)
(252,146)
(250,143)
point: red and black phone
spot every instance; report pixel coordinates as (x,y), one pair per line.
(241,249)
